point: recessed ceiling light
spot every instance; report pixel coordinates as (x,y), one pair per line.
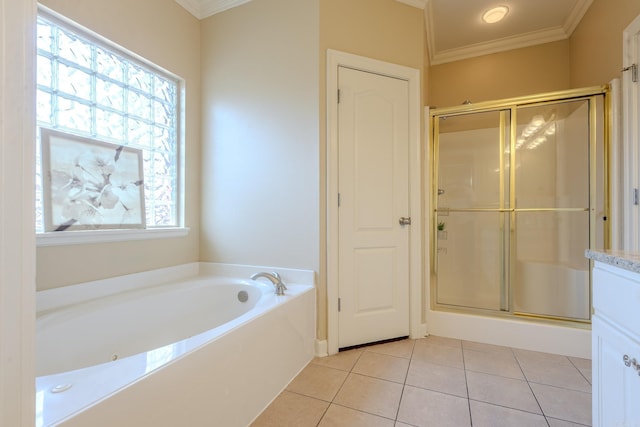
(495,14)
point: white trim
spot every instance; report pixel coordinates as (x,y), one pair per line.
(412,76)
(426,178)
(17,241)
(495,46)
(616,167)
(576,15)
(321,348)
(81,237)
(212,7)
(518,41)
(192,6)
(202,9)
(630,135)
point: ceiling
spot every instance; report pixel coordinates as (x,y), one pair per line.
(455,29)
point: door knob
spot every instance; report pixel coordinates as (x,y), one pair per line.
(405,221)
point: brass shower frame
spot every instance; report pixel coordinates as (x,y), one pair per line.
(511,105)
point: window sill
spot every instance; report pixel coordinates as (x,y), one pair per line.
(61,238)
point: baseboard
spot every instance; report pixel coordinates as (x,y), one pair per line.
(423,330)
(321,348)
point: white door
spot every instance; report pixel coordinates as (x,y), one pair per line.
(373,185)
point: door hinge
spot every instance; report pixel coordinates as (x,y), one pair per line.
(338,199)
(634,72)
(338,96)
(339,305)
(635,196)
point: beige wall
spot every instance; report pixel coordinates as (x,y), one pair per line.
(380,29)
(592,56)
(526,71)
(260,178)
(596,44)
(167,35)
(264,71)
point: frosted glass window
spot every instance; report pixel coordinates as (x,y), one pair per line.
(96,90)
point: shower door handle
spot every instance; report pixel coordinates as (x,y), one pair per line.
(405,221)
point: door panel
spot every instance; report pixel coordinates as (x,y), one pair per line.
(552,156)
(374,270)
(473,193)
(473,160)
(471,252)
(374,194)
(373,158)
(551,274)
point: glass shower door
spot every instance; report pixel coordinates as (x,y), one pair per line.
(471,210)
(519,194)
(550,274)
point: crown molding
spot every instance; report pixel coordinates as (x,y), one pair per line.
(420,4)
(508,43)
(211,7)
(495,46)
(202,9)
(192,6)
(576,16)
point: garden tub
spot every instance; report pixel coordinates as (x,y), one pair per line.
(207,347)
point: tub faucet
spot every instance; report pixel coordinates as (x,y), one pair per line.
(274,278)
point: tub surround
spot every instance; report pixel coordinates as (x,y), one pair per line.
(211,376)
(623,259)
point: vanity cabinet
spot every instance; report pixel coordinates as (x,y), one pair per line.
(616,346)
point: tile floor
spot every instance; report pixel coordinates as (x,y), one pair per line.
(438,382)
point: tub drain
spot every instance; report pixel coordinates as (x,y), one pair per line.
(243,296)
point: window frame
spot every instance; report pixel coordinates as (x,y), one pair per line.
(115,235)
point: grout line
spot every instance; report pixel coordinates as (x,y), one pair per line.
(560,387)
(323,414)
(406,374)
(580,371)
(508,407)
(399,403)
(530,388)
(404,384)
(466,383)
(349,372)
(569,421)
(331,402)
(363,412)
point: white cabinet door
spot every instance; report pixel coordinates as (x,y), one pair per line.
(616,386)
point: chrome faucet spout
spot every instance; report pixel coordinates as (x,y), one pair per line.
(274,278)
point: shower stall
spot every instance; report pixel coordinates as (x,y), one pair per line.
(519,192)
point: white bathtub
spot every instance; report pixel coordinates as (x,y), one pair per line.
(170,347)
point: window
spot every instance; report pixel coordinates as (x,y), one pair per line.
(93,89)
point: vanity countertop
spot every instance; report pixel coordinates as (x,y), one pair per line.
(623,259)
